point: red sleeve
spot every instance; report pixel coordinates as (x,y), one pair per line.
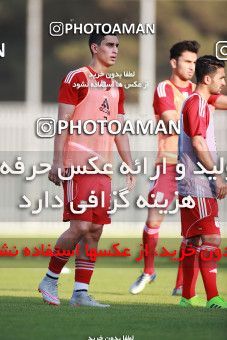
(194,124)
(69,93)
(163,99)
(212,99)
(121,109)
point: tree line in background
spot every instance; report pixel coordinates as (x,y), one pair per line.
(204,21)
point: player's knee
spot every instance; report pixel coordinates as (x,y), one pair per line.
(153,224)
(212,239)
(95,232)
(81,226)
(194,241)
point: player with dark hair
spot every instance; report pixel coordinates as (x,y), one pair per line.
(99,97)
(97,38)
(179,48)
(168,100)
(200,226)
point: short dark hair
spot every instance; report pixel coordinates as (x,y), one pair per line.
(97,38)
(182,46)
(206,65)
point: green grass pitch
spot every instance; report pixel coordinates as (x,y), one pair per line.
(154,314)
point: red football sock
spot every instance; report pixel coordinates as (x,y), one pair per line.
(208,268)
(150,240)
(57,262)
(190,266)
(83,273)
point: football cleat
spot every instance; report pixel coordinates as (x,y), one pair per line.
(195,301)
(141,282)
(216,302)
(82,298)
(177,291)
(49,289)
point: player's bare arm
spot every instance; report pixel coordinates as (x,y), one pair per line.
(169,115)
(221,103)
(204,156)
(122,144)
(65,111)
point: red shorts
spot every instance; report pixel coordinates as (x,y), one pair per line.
(78,190)
(164,187)
(202,219)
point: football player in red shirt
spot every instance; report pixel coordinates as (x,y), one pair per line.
(168,100)
(86,94)
(200,225)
